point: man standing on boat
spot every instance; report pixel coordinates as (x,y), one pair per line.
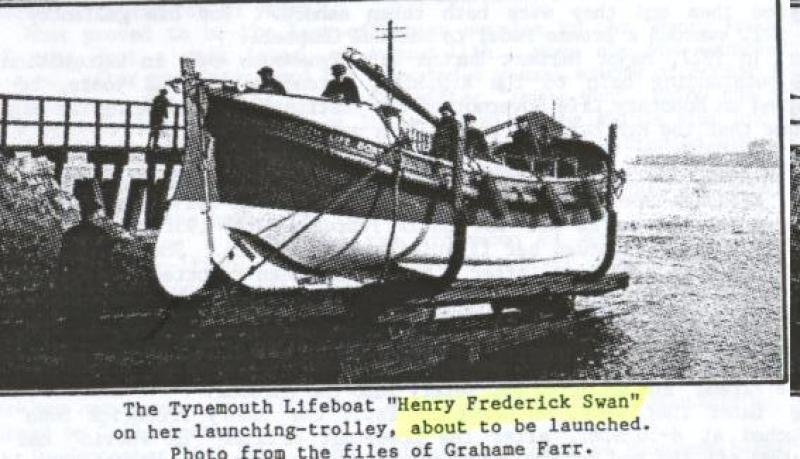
(269,85)
(341,87)
(158,113)
(446,137)
(525,145)
(475,140)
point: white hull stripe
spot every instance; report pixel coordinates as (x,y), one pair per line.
(336,244)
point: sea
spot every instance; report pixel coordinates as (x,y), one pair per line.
(703,248)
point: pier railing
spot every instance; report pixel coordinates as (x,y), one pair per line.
(28,122)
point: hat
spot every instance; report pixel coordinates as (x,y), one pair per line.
(88,199)
(338,69)
(469,117)
(265,69)
(447,107)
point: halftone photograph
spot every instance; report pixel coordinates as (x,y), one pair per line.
(342,194)
(792,82)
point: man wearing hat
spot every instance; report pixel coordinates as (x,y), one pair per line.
(445,139)
(84,265)
(269,84)
(524,145)
(341,87)
(475,140)
(158,113)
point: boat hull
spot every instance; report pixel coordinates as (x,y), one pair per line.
(352,247)
(291,199)
(258,163)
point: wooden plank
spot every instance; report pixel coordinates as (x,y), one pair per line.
(76,124)
(77,100)
(97,124)
(41,123)
(168,155)
(127,126)
(67,109)
(175,127)
(487,290)
(4,125)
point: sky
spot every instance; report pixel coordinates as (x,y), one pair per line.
(696,76)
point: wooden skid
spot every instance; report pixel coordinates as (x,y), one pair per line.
(487,290)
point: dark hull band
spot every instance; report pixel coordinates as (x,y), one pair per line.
(268,159)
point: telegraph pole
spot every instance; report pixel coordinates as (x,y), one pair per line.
(389,37)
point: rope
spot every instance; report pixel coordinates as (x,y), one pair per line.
(330,206)
(358,80)
(619,182)
(397,166)
(456,260)
(355,237)
(199,86)
(460,224)
(398,174)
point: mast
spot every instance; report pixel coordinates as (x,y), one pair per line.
(389,37)
(374,73)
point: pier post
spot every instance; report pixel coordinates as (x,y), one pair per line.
(157,199)
(98,170)
(175,127)
(172,175)
(79,157)
(57,156)
(97,124)
(67,117)
(108,166)
(75,168)
(4,124)
(135,169)
(117,180)
(127,126)
(149,208)
(122,195)
(40,136)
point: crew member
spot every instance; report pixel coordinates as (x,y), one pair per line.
(158,113)
(341,87)
(523,139)
(84,266)
(445,139)
(475,140)
(269,84)
(523,145)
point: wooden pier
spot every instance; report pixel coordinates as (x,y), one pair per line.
(102,144)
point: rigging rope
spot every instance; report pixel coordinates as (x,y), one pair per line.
(330,206)
(358,80)
(398,174)
(457,255)
(197,93)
